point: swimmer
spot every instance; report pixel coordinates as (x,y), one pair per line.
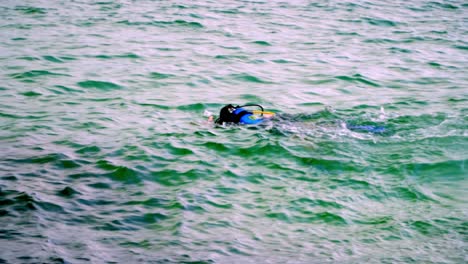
(231,114)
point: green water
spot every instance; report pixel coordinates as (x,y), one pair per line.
(106,157)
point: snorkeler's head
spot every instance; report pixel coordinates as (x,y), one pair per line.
(226,115)
(234,114)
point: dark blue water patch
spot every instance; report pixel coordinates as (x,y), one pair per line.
(30,10)
(308,202)
(216,146)
(182,258)
(414,39)
(119,56)
(9,233)
(114,225)
(381,22)
(327,80)
(167,49)
(319,5)
(100,185)
(383,41)
(30,94)
(156,106)
(171,177)
(434,64)
(192,107)
(260,178)
(461,47)
(9,178)
(307,179)
(438,5)
(248,78)
(460,227)
(27,117)
(351,183)
(446,171)
(180,6)
(18,39)
(457,100)
(330,166)
(399,50)
(42,159)
(347,33)
(405,193)
(34,259)
(409,102)
(68,164)
(87,23)
(232,11)
(106,99)
(283,170)
(52,59)
(35,74)
(358,78)
(50,207)
(179,151)
(232,57)
(15,201)
(262,43)
(184,23)
(67,192)
(159,76)
(439,32)
(83,175)
(351,21)
(257,61)
(100,85)
(95,202)
(120,173)
(88,150)
(3,213)
(178,23)
(375,221)
(282,61)
(28,58)
(360,109)
(58,160)
(163,203)
(427,228)
(308,217)
(108,6)
(147,219)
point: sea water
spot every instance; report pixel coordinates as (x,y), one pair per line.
(106,156)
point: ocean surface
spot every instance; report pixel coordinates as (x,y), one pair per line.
(106,155)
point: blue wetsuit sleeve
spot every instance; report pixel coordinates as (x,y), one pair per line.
(247,120)
(368,128)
